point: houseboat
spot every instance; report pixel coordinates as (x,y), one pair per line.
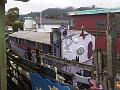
(25,43)
(86,33)
(67,44)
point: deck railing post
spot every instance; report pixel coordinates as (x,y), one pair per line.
(3,75)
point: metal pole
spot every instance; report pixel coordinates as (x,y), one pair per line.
(3,79)
(41,19)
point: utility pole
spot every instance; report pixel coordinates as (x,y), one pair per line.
(3,75)
(110,35)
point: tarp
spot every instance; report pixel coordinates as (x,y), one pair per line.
(40,83)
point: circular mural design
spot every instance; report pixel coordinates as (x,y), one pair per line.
(76,40)
(68,42)
(80,51)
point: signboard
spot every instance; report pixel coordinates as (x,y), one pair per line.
(41,83)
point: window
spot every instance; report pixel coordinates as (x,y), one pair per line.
(30,43)
(100,24)
(21,41)
(39,26)
(72,22)
(34,26)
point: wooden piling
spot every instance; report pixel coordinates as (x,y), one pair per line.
(110,35)
(100,71)
(3,75)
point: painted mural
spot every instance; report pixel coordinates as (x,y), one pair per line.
(40,83)
(77,46)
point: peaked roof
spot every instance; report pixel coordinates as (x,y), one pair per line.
(95,11)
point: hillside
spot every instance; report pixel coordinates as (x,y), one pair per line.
(55,13)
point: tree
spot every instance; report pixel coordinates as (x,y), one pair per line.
(12,19)
(17,25)
(12,15)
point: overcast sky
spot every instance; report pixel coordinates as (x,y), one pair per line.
(39,5)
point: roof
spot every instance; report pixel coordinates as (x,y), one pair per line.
(52,21)
(94,11)
(22,0)
(41,37)
(86,8)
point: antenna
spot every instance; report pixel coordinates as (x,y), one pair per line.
(101,5)
(40,19)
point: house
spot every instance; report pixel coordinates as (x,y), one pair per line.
(94,22)
(42,25)
(30,24)
(48,24)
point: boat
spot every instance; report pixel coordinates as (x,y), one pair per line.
(70,46)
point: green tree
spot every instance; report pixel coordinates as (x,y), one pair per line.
(12,19)
(17,25)
(12,15)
